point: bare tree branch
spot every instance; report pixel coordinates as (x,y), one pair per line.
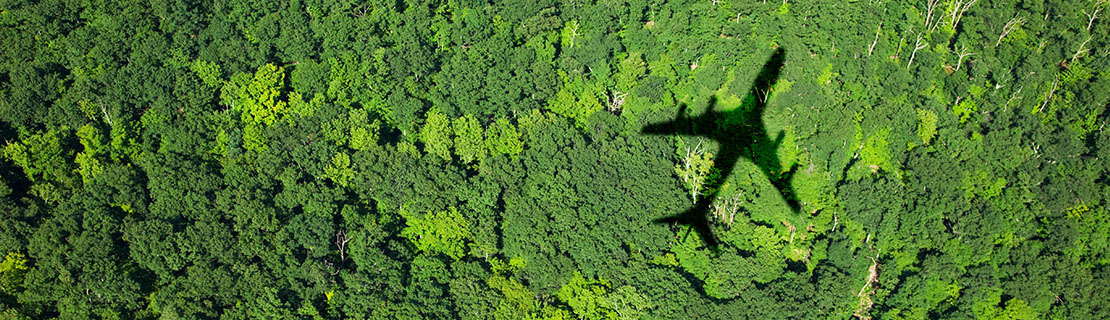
(880,28)
(1094,13)
(690,177)
(341,240)
(1081,49)
(963,53)
(930,7)
(958,9)
(920,44)
(1015,95)
(573,32)
(107,118)
(1009,27)
(616,100)
(1091,17)
(1055,82)
(726,209)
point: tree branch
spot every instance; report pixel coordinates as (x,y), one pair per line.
(1009,27)
(1081,49)
(1055,82)
(872,47)
(917,46)
(963,54)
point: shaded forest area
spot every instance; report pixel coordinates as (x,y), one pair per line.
(467,159)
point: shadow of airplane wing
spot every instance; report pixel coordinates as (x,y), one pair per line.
(751,136)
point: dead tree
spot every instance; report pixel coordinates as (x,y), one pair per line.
(1091,17)
(726,209)
(1016,95)
(790,227)
(341,242)
(898,53)
(616,100)
(107,118)
(1081,49)
(872,47)
(959,7)
(690,177)
(865,302)
(573,33)
(964,53)
(331,267)
(920,44)
(1055,82)
(1094,13)
(360,11)
(1009,27)
(930,8)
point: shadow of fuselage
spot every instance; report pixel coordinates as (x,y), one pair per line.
(741,134)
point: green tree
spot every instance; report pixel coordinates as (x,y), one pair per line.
(436,135)
(439,232)
(364,133)
(503,138)
(587,298)
(257,98)
(469,145)
(339,170)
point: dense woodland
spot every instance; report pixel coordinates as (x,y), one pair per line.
(302,159)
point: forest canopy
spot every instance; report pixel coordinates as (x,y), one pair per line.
(470,159)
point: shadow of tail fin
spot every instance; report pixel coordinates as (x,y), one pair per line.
(680,125)
(785,185)
(697,218)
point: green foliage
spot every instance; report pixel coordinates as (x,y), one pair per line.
(587,298)
(297,104)
(512,266)
(469,143)
(208,72)
(926,126)
(286,160)
(981,184)
(826,75)
(339,170)
(629,72)
(518,302)
(42,157)
(875,156)
(364,133)
(436,135)
(1016,309)
(964,109)
(12,271)
(257,98)
(503,138)
(578,98)
(438,232)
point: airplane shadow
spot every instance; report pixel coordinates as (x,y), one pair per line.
(741,133)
